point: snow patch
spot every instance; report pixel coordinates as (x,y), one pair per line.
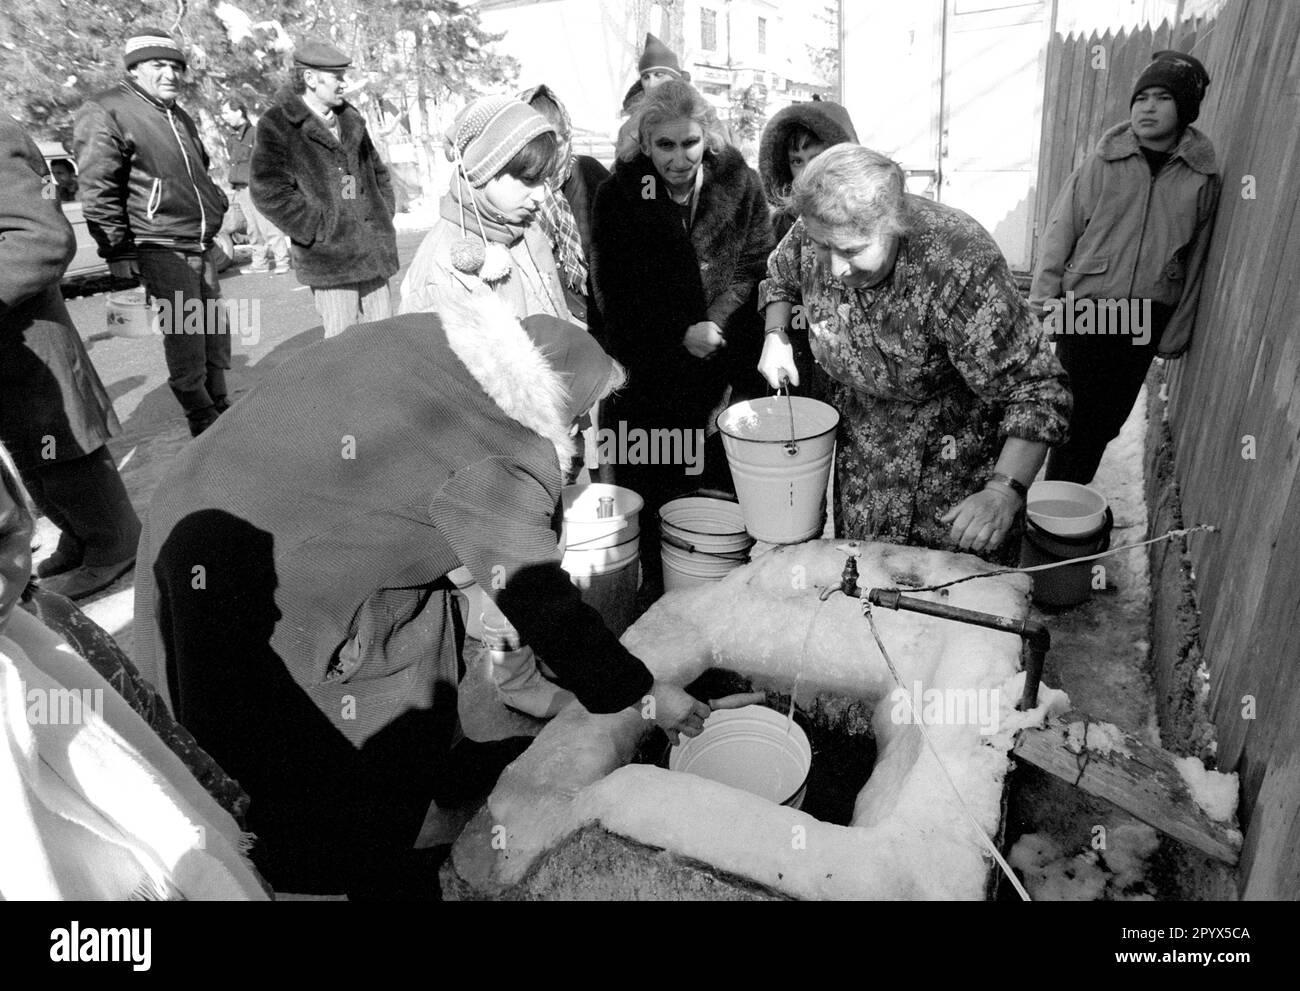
(1099,738)
(1112,869)
(1213,791)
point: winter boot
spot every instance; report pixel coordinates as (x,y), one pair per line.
(201,419)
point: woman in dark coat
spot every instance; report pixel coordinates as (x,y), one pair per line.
(680,242)
(293,594)
(55,416)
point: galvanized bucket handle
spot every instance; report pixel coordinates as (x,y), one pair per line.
(791,448)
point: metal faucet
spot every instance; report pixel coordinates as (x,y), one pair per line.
(1034,634)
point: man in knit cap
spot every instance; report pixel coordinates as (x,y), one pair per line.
(154,210)
(658,64)
(1130,231)
(317,176)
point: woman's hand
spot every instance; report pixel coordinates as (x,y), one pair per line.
(703,339)
(981,521)
(677,712)
(777,361)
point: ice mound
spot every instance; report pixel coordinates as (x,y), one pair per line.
(909,836)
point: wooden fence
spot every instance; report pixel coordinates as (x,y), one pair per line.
(1235,397)
(1235,418)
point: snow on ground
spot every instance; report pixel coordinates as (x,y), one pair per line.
(1214,792)
(1101,657)
(1113,868)
(420,215)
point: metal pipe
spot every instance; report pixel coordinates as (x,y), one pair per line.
(1034,634)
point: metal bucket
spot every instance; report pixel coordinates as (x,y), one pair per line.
(701,540)
(753,748)
(780,450)
(602,543)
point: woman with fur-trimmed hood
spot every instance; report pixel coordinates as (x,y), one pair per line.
(293,593)
(680,239)
(793,138)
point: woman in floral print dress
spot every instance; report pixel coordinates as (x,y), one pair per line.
(947,388)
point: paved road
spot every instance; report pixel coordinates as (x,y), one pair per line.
(134,371)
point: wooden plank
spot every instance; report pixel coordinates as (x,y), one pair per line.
(1146,785)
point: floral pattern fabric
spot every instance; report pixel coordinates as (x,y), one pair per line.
(930,371)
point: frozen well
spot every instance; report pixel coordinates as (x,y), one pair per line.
(585,813)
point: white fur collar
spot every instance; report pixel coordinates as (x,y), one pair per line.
(491,343)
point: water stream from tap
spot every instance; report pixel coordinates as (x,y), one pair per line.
(803,660)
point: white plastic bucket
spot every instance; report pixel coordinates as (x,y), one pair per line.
(1066,509)
(780,470)
(753,748)
(130,315)
(602,553)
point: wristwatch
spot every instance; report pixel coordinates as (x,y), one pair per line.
(1013,484)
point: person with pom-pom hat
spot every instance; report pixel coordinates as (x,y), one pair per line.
(487,238)
(488,242)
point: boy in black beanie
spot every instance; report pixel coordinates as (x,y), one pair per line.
(1119,272)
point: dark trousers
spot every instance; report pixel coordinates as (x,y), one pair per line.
(1106,374)
(196,340)
(85,498)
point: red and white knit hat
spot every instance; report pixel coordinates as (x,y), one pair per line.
(491,131)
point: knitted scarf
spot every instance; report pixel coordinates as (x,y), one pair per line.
(462,205)
(559,224)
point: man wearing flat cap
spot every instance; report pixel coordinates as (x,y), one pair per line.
(154,210)
(317,176)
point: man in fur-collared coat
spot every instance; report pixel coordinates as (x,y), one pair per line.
(317,176)
(293,598)
(680,239)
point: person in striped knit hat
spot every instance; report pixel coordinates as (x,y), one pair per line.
(489,241)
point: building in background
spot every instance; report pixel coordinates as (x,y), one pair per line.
(953,90)
(749,57)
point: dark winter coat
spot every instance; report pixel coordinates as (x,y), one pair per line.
(143,175)
(239,146)
(580,190)
(832,125)
(52,404)
(653,280)
(301,179)
(315,657)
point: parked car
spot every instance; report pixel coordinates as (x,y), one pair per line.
(86,264)
(88,271)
